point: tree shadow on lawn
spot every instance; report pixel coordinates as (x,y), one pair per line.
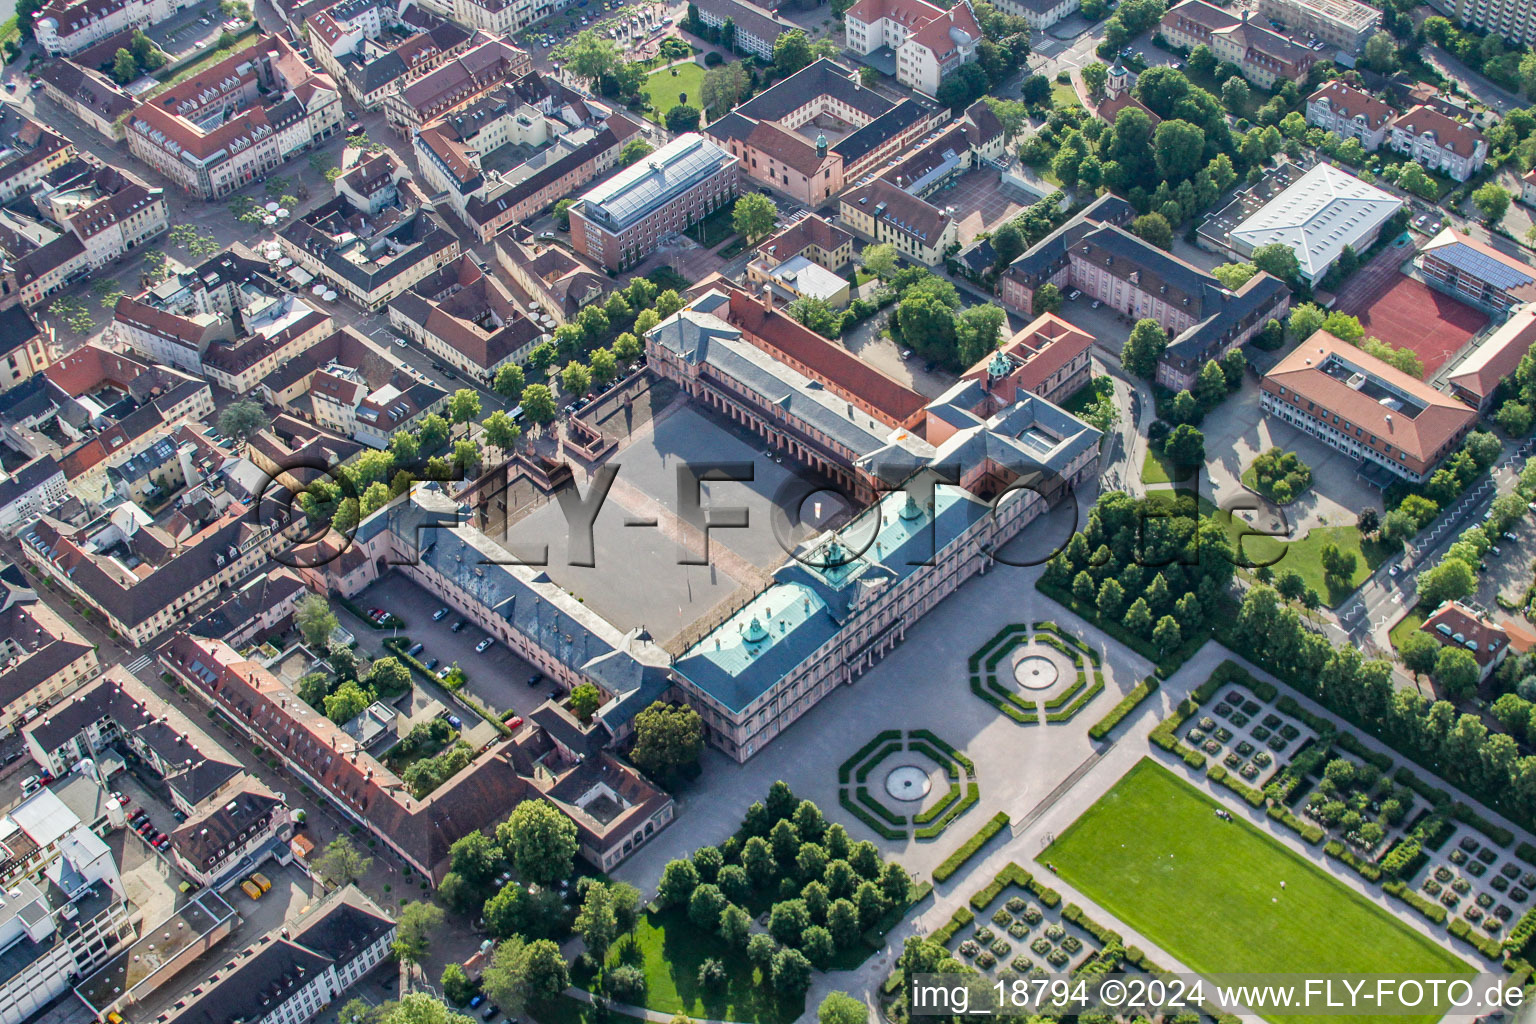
(746,997)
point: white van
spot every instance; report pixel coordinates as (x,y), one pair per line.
(31,784)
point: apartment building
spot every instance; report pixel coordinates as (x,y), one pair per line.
(884,212)
(290,974)
(466,318)
(1041,14)
(1342,24)
(1350,114)
(1094,252)
(237,121)
(44,658)
(64,27)
(369,257)
(1264,57)
(1439,142)
(930,42)
(1365,408)
(756,28)
(1513,20)
(35,488)
(370,63)
(26,348)
(92,97)
(559,282)
(621,221)
(476,70)
(518,149)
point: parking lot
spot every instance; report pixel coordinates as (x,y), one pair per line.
(497,677)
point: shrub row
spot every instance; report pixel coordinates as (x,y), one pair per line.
(1140,692)
(1000,692)
(1074,913)
(1404,777)
(1219,775)
(1067,694)
(1011,874)
(924,734)
(997,638)
(1351,743)
(1082,701)
(880,828)
(1521,934)
(876,758)
(924,817)
(1231,672)
(1044,893)
(1490,948)
(967,850)
(950,767)
(959,919)
(1362,867)
(1007,707)
(1497,834)
(846,768)
(972,794)
(1429,908)
(1071,638)
(861,795)
(1312,834)
(1433,831)
(1288,705)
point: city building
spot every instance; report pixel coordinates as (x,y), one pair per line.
(290,974)
(1528,188)
(144,577)
(1093,252)
(1439,142)
(622,220)
(34,151)
(1048,357)
(482,67)
(1041,14)
(1475,379)
(557,283)
(929,41)
(1118,86)
(226,320)
(884,212)
(762,369)
(25,347)
(370,69)
(1264,57)
(347,384)
(1365,408)
(1454,624)
(1342,24)
(1350,114)
(236,121)
(32,490)
(420,831)
(66,909)
(69,26)
(1318,215)
(91,97)
(1475,272)
(465,318)
(756,28)
(506,156)
(808,259)
(1512,20)
(160,954)
(368,257)
(45,659)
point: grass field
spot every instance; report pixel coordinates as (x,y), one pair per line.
(1153,853)
(1157,470)
(670,948)
(666,90)
(1306,555)
(1407,625)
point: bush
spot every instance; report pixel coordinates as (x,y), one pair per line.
(969,848)
(1140,692)
(1429,908)
(972,795)
(713,59)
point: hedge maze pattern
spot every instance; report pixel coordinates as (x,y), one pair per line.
(1003,695)
(862,795)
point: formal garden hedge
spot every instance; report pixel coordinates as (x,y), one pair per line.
(865,803)
(1140,692)
(970,847)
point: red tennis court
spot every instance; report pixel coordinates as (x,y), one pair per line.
(1409,314)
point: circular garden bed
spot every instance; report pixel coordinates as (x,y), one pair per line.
(909,783)
(1025,670)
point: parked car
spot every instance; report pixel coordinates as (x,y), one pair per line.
(431,664)
(261,880)
(480,647)
(534,679)
(415,648)
(251,889)
(458,625)
(355,128)
(31,784)
(455,721)
(441,613)
(442,673)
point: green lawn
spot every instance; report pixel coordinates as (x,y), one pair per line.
(670,949)
(566,1010)
(713,229)
(1407,624)
(1306,555)
(1157,470)
(1153,853)
(1063,96)
(667,87)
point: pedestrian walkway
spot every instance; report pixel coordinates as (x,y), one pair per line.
(138,664)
